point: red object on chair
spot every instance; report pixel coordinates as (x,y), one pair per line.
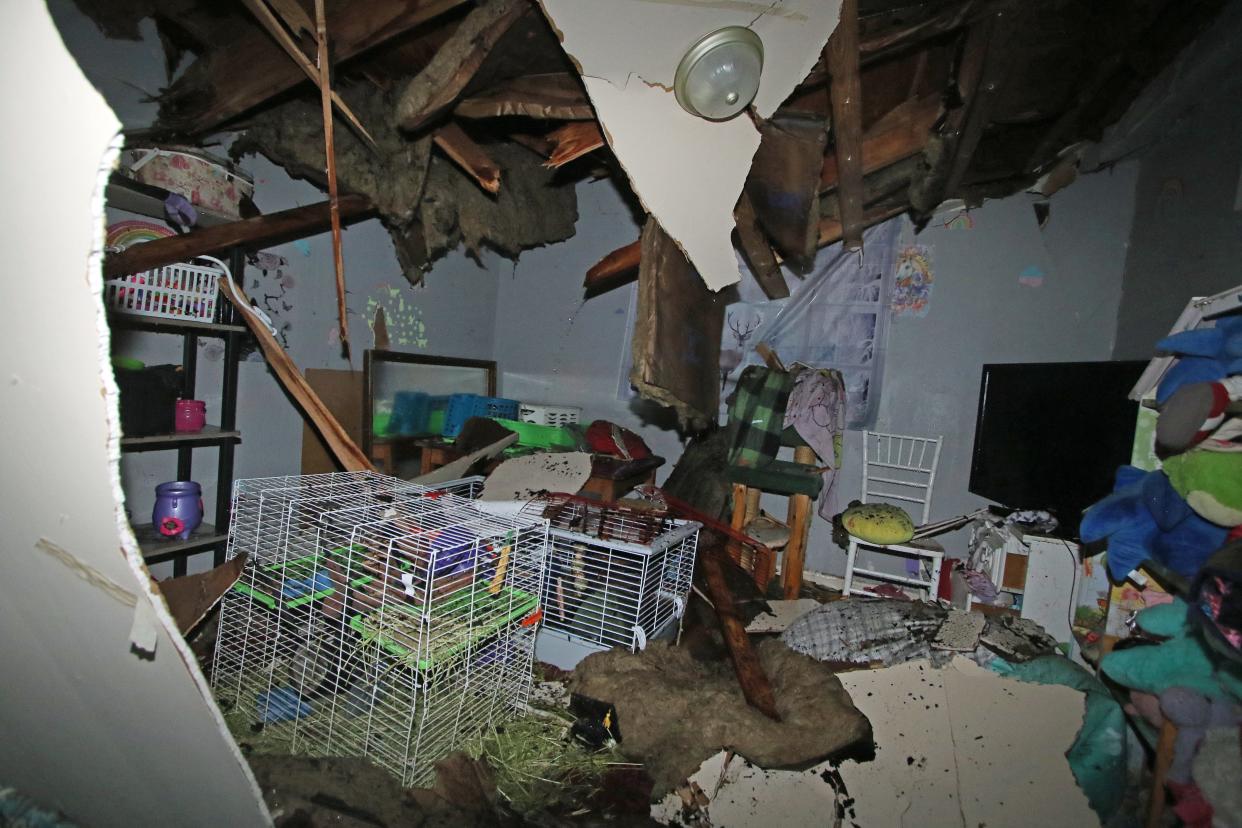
(609,438)
(945,588)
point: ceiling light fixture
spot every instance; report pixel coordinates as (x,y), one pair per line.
(719,75)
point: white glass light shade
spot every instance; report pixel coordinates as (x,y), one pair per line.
(719,75)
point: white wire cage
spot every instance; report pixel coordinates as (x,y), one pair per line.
(617,577)
(376,618)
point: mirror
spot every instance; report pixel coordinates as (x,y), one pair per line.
(405,395)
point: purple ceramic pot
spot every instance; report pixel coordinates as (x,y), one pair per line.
(178,508)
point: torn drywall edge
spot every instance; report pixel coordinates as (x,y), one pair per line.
(627,53)
(690,191)
(149,603)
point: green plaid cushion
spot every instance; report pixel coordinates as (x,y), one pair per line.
(758,407)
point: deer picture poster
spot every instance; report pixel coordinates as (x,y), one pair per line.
(836,317)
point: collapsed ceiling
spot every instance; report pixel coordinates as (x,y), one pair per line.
(476,109)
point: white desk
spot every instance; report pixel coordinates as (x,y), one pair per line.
(1051,573)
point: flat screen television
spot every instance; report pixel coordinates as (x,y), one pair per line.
(1050,435)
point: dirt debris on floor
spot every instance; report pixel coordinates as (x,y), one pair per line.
(675,712)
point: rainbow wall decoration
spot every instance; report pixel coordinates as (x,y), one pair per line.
(122,234)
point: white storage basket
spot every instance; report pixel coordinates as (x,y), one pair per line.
(549,415)
(177,291)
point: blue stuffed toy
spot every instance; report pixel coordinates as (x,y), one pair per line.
(1207,355)
(1145,518)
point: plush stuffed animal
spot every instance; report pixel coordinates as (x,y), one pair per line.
(1197,411)
(1145,518)
(1210,479)
(1182,660)
(1207,355)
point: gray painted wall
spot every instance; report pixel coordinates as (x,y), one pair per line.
(1187,238)
(980,313)
(553,347)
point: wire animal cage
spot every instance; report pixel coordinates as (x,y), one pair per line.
(617,576)
(376,618)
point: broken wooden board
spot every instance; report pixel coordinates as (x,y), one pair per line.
(335,437)
(469,156)
(757,250)
(547,96)
(783,185)
(216,89)
(574,140)
(953,747)
(628,52)
(841,56)
(191,597)
(433,90)
(677,330)
(750,675)
(250,234)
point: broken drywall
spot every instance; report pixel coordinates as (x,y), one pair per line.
(688,172)
(105,734)
(953,747)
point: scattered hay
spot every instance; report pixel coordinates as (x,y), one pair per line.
(539,767)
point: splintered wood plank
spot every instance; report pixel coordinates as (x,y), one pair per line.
(754,682)
(468,155)
(783,184)
(842,59)
(439,85)
(252,233)
(264,14)
(758,253)
(899,134)
(251,70)
(574,140)
(617,268)
(831,229)
(336,439)
(556,96)
(329,149)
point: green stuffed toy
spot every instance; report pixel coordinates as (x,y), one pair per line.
(1183,660)
(1210,479)
(878,523)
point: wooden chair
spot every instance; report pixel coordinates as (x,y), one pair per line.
(800,481)
(901,471)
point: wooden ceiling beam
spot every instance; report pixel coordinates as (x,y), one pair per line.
(574,140)
(758,252)
(251,234)
(841,55)
(546,96)
(442,81)
(468,155)
(251,70)
(896,136)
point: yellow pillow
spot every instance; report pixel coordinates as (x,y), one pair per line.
(878,523)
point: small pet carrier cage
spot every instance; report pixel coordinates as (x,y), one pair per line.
(375,618)
(616,576)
